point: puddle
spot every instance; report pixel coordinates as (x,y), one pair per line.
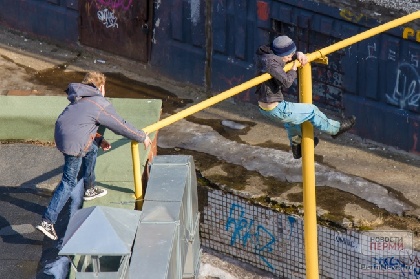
(117,86)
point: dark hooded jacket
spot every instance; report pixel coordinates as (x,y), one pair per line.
(76,127)
(267,62)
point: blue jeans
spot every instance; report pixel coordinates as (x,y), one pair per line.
(292,115)
(72,166)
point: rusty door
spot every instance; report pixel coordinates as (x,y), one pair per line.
(122,27)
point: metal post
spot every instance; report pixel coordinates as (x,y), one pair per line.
(138,187)
(308,175)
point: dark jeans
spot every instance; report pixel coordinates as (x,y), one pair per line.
(72,166)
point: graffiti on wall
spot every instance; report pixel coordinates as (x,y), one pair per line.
(350,16)
(107,18)
(247,232)
(408,266)
(407,87)
(349,242)
(411,33)
(371,51)
(107,10)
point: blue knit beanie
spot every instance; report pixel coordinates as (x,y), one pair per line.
(283,46)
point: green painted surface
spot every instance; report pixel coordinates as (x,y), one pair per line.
(33,118)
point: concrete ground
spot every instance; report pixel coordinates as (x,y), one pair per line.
(360,183)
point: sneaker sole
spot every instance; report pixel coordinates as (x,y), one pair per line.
(45,232)
(97,196)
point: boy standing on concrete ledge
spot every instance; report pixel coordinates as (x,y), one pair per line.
(77,138)
(272,59)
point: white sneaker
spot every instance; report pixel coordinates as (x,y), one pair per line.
(94,193)
(48,229)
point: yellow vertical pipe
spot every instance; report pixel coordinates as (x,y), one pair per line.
(135,156)
(308,176)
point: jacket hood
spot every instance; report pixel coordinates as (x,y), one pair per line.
(76,91)
(266,49)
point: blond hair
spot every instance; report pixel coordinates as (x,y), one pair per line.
(95,78)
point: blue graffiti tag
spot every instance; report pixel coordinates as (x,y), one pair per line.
(262,240)
(397,264)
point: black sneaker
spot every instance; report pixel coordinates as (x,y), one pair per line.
(48,229)
(94,193)
(345,125)
(297,148)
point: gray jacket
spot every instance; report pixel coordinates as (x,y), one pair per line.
(76,127)
(267,62)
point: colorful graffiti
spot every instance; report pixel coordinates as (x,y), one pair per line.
(247,232)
